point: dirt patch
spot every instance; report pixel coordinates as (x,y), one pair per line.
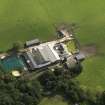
(89,50)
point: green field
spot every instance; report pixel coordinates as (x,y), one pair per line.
(57,100)
(21,20)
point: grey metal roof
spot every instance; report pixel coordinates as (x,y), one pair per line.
(33,62)
(80,56)
(32,42)
(31,59)
(48,54)
(27,58)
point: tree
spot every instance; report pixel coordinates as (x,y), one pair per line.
(101,99)
(48,80)
(5,99)
(19,91)
(17,46)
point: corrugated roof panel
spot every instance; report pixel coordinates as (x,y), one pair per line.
(48,54)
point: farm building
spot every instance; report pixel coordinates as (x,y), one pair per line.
(44,54)
(38,55)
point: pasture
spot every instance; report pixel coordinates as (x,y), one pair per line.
(22,20)
(57,100)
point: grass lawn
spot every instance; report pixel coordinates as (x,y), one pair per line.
(93,75)
(25,19)
(57,100)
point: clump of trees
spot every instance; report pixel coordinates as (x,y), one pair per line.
(16,47)
(61,83)
(58,82)
(19,91)
(100,98)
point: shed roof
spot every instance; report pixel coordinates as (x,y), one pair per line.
(32,42)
